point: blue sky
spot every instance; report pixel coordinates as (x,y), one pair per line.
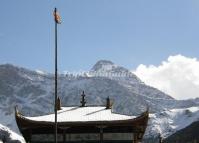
(127,32)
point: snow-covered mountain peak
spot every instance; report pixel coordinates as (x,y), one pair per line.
(103,65)
(105,68)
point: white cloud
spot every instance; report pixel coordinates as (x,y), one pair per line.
(178,76)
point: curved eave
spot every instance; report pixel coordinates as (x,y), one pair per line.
(24,122)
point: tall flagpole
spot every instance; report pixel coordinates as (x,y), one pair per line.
(55,11)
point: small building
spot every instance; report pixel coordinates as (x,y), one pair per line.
(83,124)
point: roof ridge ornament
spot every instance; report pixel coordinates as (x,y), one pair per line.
(108,103)
(83,101)
(58,103)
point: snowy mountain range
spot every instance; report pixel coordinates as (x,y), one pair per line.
(33,93)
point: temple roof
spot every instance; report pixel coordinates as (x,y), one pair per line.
(85,119)
(82,114)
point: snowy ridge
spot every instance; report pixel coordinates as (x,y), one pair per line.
(170,121)
(104,65)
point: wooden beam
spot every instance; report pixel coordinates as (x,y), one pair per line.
(135,138)
(101,135)
(30,135)
(64,136)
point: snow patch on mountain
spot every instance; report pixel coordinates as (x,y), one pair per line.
(170,121)
(41,72)
(8,136)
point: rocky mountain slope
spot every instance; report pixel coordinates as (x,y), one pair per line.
(33,92)
(169,121)
(186,135)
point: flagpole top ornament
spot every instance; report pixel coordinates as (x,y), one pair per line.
(57,16)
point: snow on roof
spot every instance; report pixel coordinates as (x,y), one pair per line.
(82,114)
